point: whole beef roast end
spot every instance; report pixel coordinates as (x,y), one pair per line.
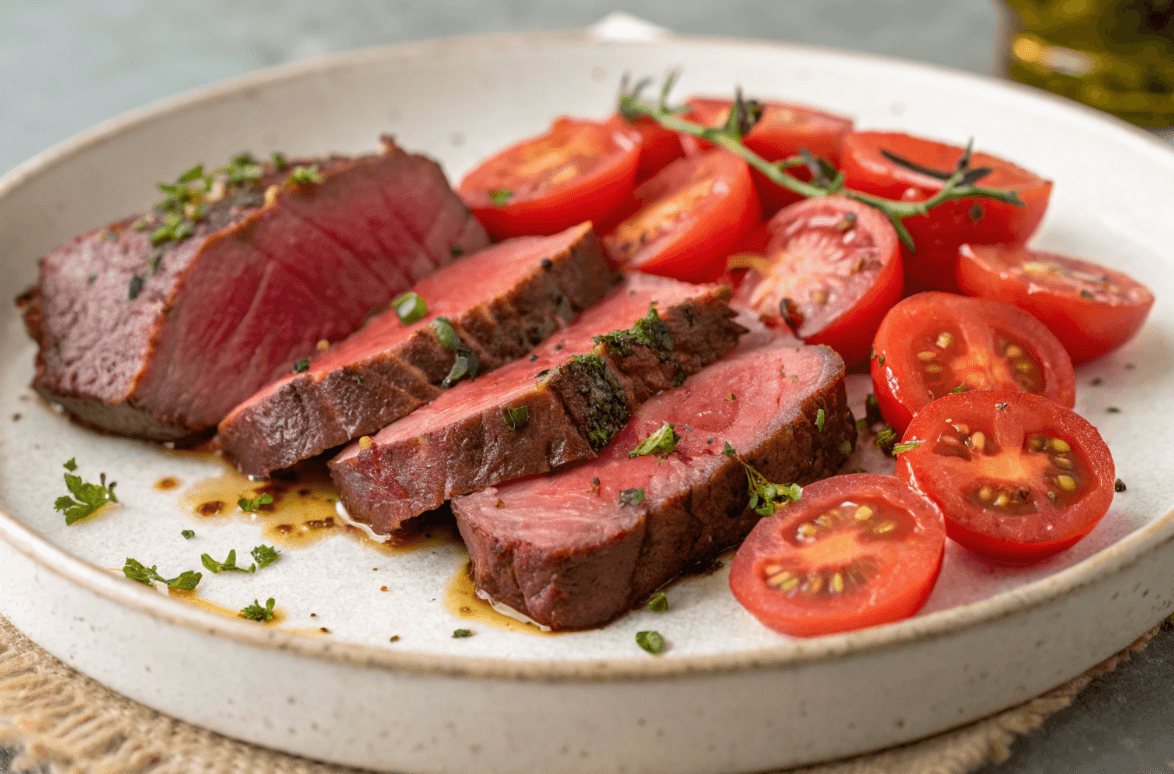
(561,404)
(576,549)
(500,301)
(156,333)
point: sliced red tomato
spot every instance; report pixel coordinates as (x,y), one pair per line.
(659,147)
(831,270)
(1090,308)
(1018,477)
(932,344)
(938,234)
(688,217)
(854,551)
(781,131)
(579,170)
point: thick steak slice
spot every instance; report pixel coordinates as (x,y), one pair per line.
(501,301)
(561,404)
(568,552)
(162,341)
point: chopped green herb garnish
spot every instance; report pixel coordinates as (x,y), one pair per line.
(464,365)
(228,565)
(134,569)
(305,175)
(960,388)
(765,497)
(632,496)
(886,437)
(658,604)
(86,499)
(845,446)
(500,197)
(279,162)
(880,360)
(660,443)
(188,534)
(649,330)
(861,425)
(447,335)
(820,418)
(302,365)
(652,642)
(253,505)
(462,633)
(255,612)
(904,447)
(516,418)
(409,307)
(265,555)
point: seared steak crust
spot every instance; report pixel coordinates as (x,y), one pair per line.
(574,395)
(567,552)
(501,302)
(162,341)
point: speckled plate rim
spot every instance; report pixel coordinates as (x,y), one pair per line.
(794,653)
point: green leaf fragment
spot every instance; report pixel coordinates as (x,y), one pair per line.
(305,175)
(409,307)
(188,534)
(649,331)
(516,418)
(904,447)
(820,418)
(252,505)
(632,496)
(650,641)
(464,365)
(86,498)
(462,633)
(658,604)
(265,555)
(148,576)
(660,443)
(765,496)
(845,447)
(228,565)
(255,612)
(500,197)
(447,335)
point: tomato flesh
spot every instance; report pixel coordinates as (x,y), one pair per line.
(831,269)
(781,131)
(687,218)
(579,170)
(1090,308)
(938,234)
(854,551)
(1018,477)
(659,147)
(933,344)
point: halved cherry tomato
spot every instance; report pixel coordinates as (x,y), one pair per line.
(938,233)
(781,131)
(1090,308)
(932,344)
(659,147)
(831,271)
(579,170)
(854,551)
(689,215)
(1018,477)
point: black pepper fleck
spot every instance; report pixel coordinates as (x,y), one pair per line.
(1118,486)
(547,264)
(1113,410)
(1097,382)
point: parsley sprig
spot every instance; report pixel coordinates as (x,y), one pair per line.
(86,498)
(253,504)
(148,576)
(661,443)
(255,611)
(263,555)
(765,497)
(826,179)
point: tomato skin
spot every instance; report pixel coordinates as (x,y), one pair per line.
(841,280)
(688,216)
(1046,526)
(783,129)
(938,234)
(974,325)
(602,157)
(659,147)
(902,567)
(1089,318)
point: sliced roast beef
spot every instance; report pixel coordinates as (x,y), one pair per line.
(500,301)
(575,549)
(157,326)
(561,404)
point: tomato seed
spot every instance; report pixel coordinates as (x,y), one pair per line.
(884,527)
(927,355)
(837,583)
(978,441)
(985,493)
(807,530)
(1067,483)
(1023,366)
(1062,462)
(944,340)
(1013,351)
(814,583)
(1002,499)
(1061,445)
(933,368)
(863,513)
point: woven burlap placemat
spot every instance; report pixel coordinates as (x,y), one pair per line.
(68,723)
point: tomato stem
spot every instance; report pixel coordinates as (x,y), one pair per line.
(729,137)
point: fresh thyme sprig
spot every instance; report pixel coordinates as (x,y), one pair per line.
(826,179)
(765,497)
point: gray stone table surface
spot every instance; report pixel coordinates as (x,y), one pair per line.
(68,64)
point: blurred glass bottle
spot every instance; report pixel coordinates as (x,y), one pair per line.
(1116,55)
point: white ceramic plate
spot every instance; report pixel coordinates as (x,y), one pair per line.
(728,695)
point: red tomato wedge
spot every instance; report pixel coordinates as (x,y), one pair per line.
(780,132)
(932,344)
(1090,308)
(688,217)
(579,170)
(831,270)
(938,234)
(1018,477)
(659,147)
(854,551)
